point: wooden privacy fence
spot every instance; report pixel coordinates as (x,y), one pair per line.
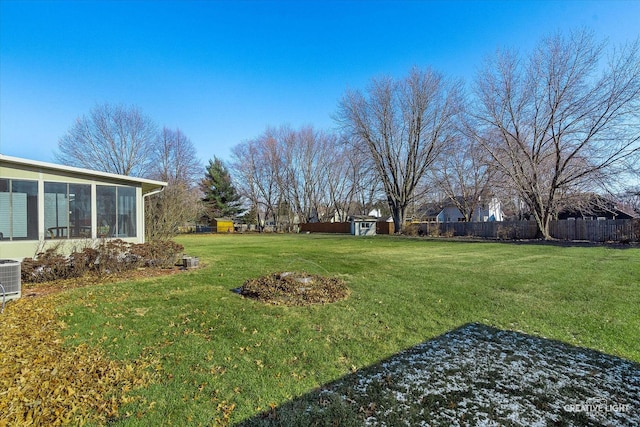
(382,227)
(487,230)
(611,230)
(326,227)
(597,231)
(591,230)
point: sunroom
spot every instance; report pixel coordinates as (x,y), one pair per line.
(44,204)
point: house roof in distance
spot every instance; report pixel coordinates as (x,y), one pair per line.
(148,185)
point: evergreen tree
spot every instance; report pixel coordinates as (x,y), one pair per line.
(220,196)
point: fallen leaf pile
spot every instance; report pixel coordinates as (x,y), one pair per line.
(45,382)
(55,286)
(295,288)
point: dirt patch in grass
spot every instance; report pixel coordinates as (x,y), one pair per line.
(295,288)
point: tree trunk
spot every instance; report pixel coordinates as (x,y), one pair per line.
(398,215)
(542,220)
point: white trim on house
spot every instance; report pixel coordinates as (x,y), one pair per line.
(148,185)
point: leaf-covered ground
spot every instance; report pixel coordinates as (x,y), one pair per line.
(52,287)
(45,382)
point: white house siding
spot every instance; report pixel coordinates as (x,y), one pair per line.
(450,214)
(493,212)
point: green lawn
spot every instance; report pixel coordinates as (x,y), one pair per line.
(219,354)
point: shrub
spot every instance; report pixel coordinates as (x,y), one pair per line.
(411,229)
(84,261)
(449,232)
(112,256)
(438,230)
(158,253)
(48,265)
(109,256)
(506,232)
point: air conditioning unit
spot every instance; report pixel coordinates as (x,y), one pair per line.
(189,262)
(10,279)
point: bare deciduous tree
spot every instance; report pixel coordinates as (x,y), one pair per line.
(174,161)
(174,158)
(349,181)
(560,120)
(255,169)
(166,212)
(402,125)
(631,199)
(464,175)
(114,139)
(305,174)
(307,156)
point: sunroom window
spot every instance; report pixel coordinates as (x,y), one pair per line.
(18,209)
(116,209)
(67,210)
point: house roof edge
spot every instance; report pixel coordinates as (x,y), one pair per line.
(147,184)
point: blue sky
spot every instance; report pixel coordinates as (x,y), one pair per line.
(223,71)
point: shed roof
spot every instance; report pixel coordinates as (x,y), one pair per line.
(365,218)
(148,185)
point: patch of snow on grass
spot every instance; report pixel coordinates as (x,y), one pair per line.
(483,376)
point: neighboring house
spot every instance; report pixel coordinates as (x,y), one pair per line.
(483,212)
(598,208)
(449,213)
(42,204)
(375,213)
(339,215)
(429,212)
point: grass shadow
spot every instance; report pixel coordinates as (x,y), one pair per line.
(475,374)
